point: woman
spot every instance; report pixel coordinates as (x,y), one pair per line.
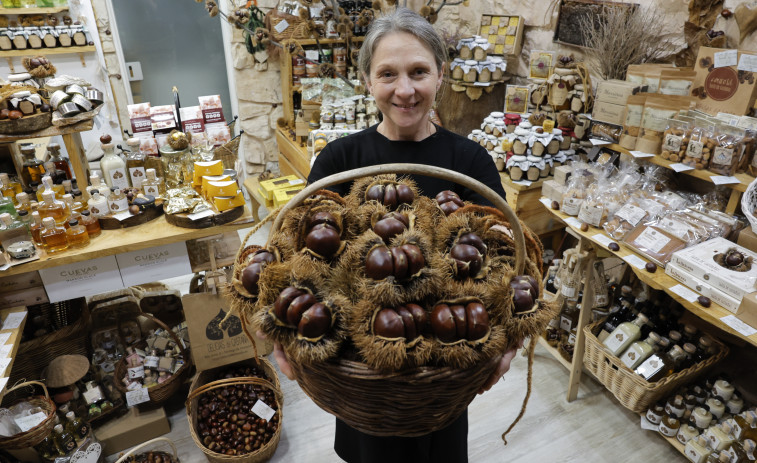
(401,62)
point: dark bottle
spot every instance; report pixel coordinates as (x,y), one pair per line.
(621,313)
(660,365)
(59,161)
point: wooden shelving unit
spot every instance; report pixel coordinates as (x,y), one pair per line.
(14,340)
(45,10)
(46,51)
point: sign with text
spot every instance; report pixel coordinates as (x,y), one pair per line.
(87,278)
(152,264)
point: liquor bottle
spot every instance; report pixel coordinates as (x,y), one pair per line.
(67,186)
(690,359)
(57,175)
(549,286)
(54,238)
(690,334)
(60,162)
(639,351)
(23,203)
(77,235)
(96,183)
(24,217)
(705,349)
(660,365)
(98,205)
(151,185)
(7,189)
(64,439)
(624,335)
(742,452)
(50,207)
(135,164)
(77,427)
(73,206)
(48,185)
(92,224)
(569,316)
(744,426)
(32,168)
(35,227)
(621,312)
(78,197)
(117,201)
(48,449)
(112,166)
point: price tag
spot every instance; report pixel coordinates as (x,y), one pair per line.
(5,350)
(200,215)
(726,58)
(13,320)
(154,264)
(544,200)
(641,154)
(724,180)
(678,167)
(137,396)
(262,410)
(598,142)
(137,372)
(647,425)
(747,63)
(685,292)
(282,26)
(4,337)
(573,222)
(739,326)
(635,261)
(523,182)
(3,383)
(312,55)
(482,84)
(122,215)
(297,181)
(603,239)
(30,421)
(4,363)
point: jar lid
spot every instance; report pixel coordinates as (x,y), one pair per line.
(471,62)
(482,40)
(488,119)
(458,61)
(485,62)
(497,114)
(499,122)
(499,150)
(518,158)
(477,131)
(467,40)
(495,59)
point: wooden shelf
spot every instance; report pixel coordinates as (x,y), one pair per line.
(507,182)
(111,242)
(251,184)
(43,10)
(658,280)
(46,51)
(554,353)
(51,131)
(292,155)
(14,340)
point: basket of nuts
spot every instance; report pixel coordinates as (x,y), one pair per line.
(394,308)
(234,412)
(153,456)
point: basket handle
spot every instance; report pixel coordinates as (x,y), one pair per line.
(227,382)
(417,169)
(145,444)
(29,383)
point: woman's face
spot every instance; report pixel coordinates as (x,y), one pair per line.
(404,80)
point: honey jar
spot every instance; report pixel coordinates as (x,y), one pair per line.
(465,48)
(456,68)
(471,71)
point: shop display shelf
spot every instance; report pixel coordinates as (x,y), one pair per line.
(293,158)
(524,200)
(555,353)
(41,10)
(658,280)
(252,184)
(14,340)
(46,51)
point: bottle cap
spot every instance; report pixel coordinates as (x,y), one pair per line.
(674,335)
(70,415)
(58,428)
(95,192)
(643,318)
(4,177)
(47,195)
(704,341)
(626,290)
(114,189)
(73,222)
(690,329)
(76,192)
(689,348)
(23,213)
(85,213)
(22,197)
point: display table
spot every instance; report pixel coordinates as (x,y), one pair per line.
(252,185)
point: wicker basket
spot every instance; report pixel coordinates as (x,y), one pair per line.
(201,385)
(631,390)
(295,30)
(406,403)
(35,435)
(161,392)
(132,454)
(749,204)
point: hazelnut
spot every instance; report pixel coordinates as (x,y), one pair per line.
(615,247)
(704,301)
(555,205)
(650,267)
(323,240)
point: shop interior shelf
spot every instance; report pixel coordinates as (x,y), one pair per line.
(43,10)
(672,441)
(657,280)
(14,340)
(555,353)
(46,51)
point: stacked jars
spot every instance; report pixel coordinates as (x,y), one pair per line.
(473,65)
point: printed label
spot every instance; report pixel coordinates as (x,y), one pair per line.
(652,418)
(151,361)
(722,156)
(137,396)
(213,115)
(631,214)
(568,291)
(30,421)
(136,372)
(566,323)
(572,339)
(681,437)
(141,124)
(118,178)
(652,240)
(672,142)
(93,395)
(649,367)
(119,205)
(615,341)
(263,410)
(675,87)
(694,150)
(629,358)
(601,300)
(666,431)
(675,227)
(151,190)
(137,175)
(590,214)
(571,206)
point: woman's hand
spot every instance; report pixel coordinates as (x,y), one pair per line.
(280,356)
(502,368)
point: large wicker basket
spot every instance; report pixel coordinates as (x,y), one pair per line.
(35,435)
(407,403)
(133,455)
(632,391)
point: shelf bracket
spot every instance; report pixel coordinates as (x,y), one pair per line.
(10,64)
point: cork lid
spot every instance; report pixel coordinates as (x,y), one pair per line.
(65,370)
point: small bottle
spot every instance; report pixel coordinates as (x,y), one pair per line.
(48,449)
(54,238)
(690,333)
(77,427)
(35,227)
(569,316)
(669,425)
(74,208)
(48,185)
(701,418)
(686,432)
(58,160)
(691,351)
(705,349)
(6,189)
(696,450)
(639,351)
(658,365)
(24,217)
(7,222)
(117,201)
(723,389)
(67,186)
(57,175)
(112,166)
(77,235)
(655,413)
(742,452)
(92,224)
(135,164)
(152,360)
(621,312)
(675,337)
(96,183)
(78,197)
(50,207)
(98,205)
(23,203)
(624,335)
(151,185)
(33,168)
(6,205)
(675,406)
(132,358)
(64,439)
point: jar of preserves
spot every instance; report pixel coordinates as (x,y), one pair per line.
(465,48)
(471,70)
(456,69)
(485,71)
(498,73)
(480,48)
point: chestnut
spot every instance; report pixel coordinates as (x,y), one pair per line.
(399,216)
(468,261)
(584,227)
(281,304)
(555,205)
(448,195)
(449,207)
(4,113)
(375,193)
(15,114)
(420,317)
(34,62)
(263,256)
(526,282)
(390,196)
(399,261)
(614,247)
(405,194)
(443,323)
(650,267)
(477,321)
(322,217)
(250,277)
(298,306)
(378,263)
(315,321)
(415,260)
(704,301)
(388,324)
(388,228)
(105,139)
(323,240)
(458,314)
(734,259)
(522,301)
(407,320)
(473,240)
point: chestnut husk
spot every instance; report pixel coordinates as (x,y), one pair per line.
(360,187)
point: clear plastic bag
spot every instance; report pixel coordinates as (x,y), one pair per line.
(701,145)
(675,140)
(728,150)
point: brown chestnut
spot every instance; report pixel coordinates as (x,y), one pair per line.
(399,261)
(134,209)
(407,320)
(443,323)
(388,228)
(315,321)
(473,240)
(420,317)
(399,216)
(522,301)
(526,282)
(298,306)
(614,247)
(379,263)
(281,304)
(448,195)
(375,193)
(555,205)
(250,277)
(584,227)
(477,321)
(468,261)
(323,240)
(105,139)
(263,256)
(390,196)
(45,108)
(322,217)
(405,194)
(734,259)
(15,114)
(388,324)
(449,207)
(458,314)
(650,267)
(704,301)
(4,113)
(415,260)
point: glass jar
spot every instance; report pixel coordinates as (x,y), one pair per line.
(484,71)
(479,49)
(499,68)
(499,158)
(499,128)
(311,69)
(655,413)
(534,168)
(475,135)
(349,112)
(511,122)
(361,123)
(515,167)
(456,69)
(686,432)
(491,142)
(370,106)
(465,48)
(340,54)
(471,74)
(488,125)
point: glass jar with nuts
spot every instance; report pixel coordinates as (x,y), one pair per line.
(675,140)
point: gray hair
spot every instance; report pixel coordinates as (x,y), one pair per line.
(401,20)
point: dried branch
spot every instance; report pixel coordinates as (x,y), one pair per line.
(623,36)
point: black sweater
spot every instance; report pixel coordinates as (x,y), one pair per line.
(442,149)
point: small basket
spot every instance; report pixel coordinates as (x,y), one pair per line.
(632,391)
(161,392)
(37,434)
(133,452)
(294,30)
(749,204)
(201,385)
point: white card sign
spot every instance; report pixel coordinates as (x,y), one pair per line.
(738,325)
(30,421)
(4,337)
(603,239)
(726,58)
(137,396)
(13,320)
(679,167)
(641,154)
(724,180)
(685,292)
(263,410)
(87,278)
(152,264)
(747,63)
(635,260)
(136,372)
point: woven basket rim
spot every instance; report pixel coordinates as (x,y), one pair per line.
(35,435)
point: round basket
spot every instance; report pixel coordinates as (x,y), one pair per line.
(161,392)
(132,455)
(200,385)
(414,401)
(35,435)
(749,204)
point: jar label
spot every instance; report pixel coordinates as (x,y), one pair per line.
(572,206)
(151,361)
(590,214)
(629,357)
(151,190)
(568,291)
(694,150)
(136,372)
(681,436)
(666,431)
(652,418)
(119,205)
(93,395)
(631,214)
(615,341)
(722,156)
(118,178)
(137,175)
(566,323)
(737,431)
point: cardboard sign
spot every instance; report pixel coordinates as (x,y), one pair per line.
(214,343)
(720,85)
(87,278)
(153,264)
